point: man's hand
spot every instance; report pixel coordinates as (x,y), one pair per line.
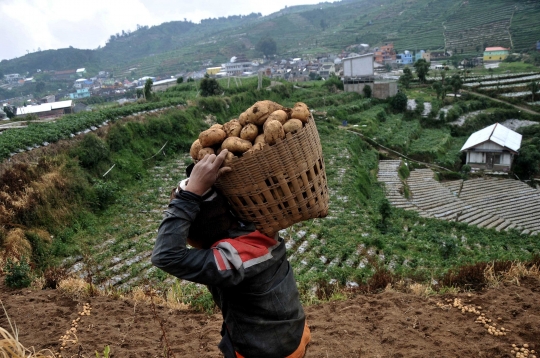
(206,172)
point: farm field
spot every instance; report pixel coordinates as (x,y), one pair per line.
(387,324)
(143,156)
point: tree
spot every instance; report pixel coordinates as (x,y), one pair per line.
(422,68)
(40,87)
(209,86)
(406,78)
(267,46)
(527,163)
(533,86)
(456,82)
(148,89)
(11,111)
(438,87)
(399,102)
(180,80)
(367,91)
(323,24)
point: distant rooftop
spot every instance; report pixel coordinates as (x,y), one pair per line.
(496,133)
(497,48)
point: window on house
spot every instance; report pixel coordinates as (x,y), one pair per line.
(497,159)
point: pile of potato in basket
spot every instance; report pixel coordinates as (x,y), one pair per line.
(262,124)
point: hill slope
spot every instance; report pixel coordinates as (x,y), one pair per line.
(462,26)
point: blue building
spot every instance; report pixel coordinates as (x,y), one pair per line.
(81,93)
(405,58)
(419,55)
(537,45)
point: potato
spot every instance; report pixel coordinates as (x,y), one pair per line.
(259,112)
(300,111)
(205,151)
(194,150)
(280,115)
(216,126)
(259,139)
(292,125)
(232,128)
(242,119)
(249,132)
(236,145)
(273,131)
(228,159)
(256,147)
(211,137)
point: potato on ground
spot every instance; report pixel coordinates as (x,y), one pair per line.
(194,150)
(211,137)
(236,145)
(300,111)
(273,131)
(259,112)
(216,126)
(232,128)
(292,125)
(249,132)
(205,151)
(280,115)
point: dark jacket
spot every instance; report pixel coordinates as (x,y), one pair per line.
(248,275)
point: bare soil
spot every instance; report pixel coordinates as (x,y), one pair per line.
(388,324)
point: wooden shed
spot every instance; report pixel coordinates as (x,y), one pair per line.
(492,148)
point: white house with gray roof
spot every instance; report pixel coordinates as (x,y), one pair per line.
(492,148)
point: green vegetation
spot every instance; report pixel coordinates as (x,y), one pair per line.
(106,190)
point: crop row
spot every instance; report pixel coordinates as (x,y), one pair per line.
(37,134)
(509,80)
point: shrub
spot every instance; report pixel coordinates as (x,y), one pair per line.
(105,193)
(399,102)
(367,91)
(210,87)
(18,274)
(91,151)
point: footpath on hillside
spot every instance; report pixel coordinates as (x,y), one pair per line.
(501,101)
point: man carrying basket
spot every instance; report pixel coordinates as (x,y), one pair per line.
(247,272)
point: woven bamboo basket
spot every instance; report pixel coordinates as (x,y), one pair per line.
(281,184)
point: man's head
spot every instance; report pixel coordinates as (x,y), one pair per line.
(213,220)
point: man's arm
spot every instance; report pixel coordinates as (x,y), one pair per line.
(170,252)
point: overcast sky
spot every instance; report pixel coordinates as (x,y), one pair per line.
(29,25)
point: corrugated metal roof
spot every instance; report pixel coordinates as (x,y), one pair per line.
(497,48)
(497,133)
(45,107)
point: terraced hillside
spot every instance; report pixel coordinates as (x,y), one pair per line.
(491,203)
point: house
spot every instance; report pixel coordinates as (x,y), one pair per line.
(496,53)
(46,110)
(327,69)
(405,58)
(13,77)
(64,75)
(81,93)
(385,54)
(81,72)
(492,148)
(48,99)
(436,55)
(211,71)
(161,85)
(237,66)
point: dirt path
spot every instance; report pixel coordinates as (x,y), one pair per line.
(501,101)
(389,324)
